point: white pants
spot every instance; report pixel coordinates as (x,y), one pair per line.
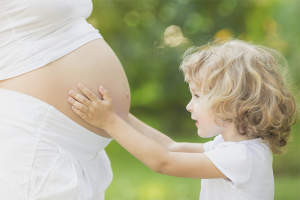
(44,155)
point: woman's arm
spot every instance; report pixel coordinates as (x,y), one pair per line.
(162,139)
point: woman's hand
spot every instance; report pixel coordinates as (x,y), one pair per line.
(99,113)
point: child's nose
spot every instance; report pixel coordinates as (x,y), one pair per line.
(188,107)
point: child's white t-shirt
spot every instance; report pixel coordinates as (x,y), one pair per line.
(248,167)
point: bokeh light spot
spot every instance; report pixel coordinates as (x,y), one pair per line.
(193,23)
(132,18)
(226,8)
(173,36)
(153,191)
(224,33)
(168,12)
(208,25)
(270,25)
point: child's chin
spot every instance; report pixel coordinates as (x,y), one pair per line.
(202,135)
(205,135)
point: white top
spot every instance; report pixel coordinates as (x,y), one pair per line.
(248,166)
(34,33)
(45,155)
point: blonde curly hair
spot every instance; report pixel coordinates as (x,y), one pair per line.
(245,84)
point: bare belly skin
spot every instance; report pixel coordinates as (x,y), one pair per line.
(93,64)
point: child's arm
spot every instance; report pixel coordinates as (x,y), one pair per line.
(158,158)
(100,113)
(162,139)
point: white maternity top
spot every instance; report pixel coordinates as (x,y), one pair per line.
(34,33)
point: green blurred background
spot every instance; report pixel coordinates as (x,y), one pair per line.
(149,37)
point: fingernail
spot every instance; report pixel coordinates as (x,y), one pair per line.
(71,92)
(80,85)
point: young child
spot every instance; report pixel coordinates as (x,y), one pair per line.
(238,95)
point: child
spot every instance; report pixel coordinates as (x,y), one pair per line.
(239,96)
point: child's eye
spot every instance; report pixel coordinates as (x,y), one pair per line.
(196,96)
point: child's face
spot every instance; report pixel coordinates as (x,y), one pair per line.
(205,122)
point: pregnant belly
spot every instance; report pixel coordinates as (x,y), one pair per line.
(93,64)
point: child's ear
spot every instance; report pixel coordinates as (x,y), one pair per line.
(219,122)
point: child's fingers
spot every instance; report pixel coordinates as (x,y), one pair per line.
(78,105)
(88,92)
(105,93)
(80,98)
(80,113)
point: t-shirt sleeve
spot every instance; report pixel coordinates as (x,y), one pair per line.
(233,160)
(207,146)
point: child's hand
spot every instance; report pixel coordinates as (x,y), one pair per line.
(99,113)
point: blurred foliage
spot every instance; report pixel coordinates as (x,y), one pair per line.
(150,36)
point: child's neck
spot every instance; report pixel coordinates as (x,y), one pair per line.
(235,138)
(231,135)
